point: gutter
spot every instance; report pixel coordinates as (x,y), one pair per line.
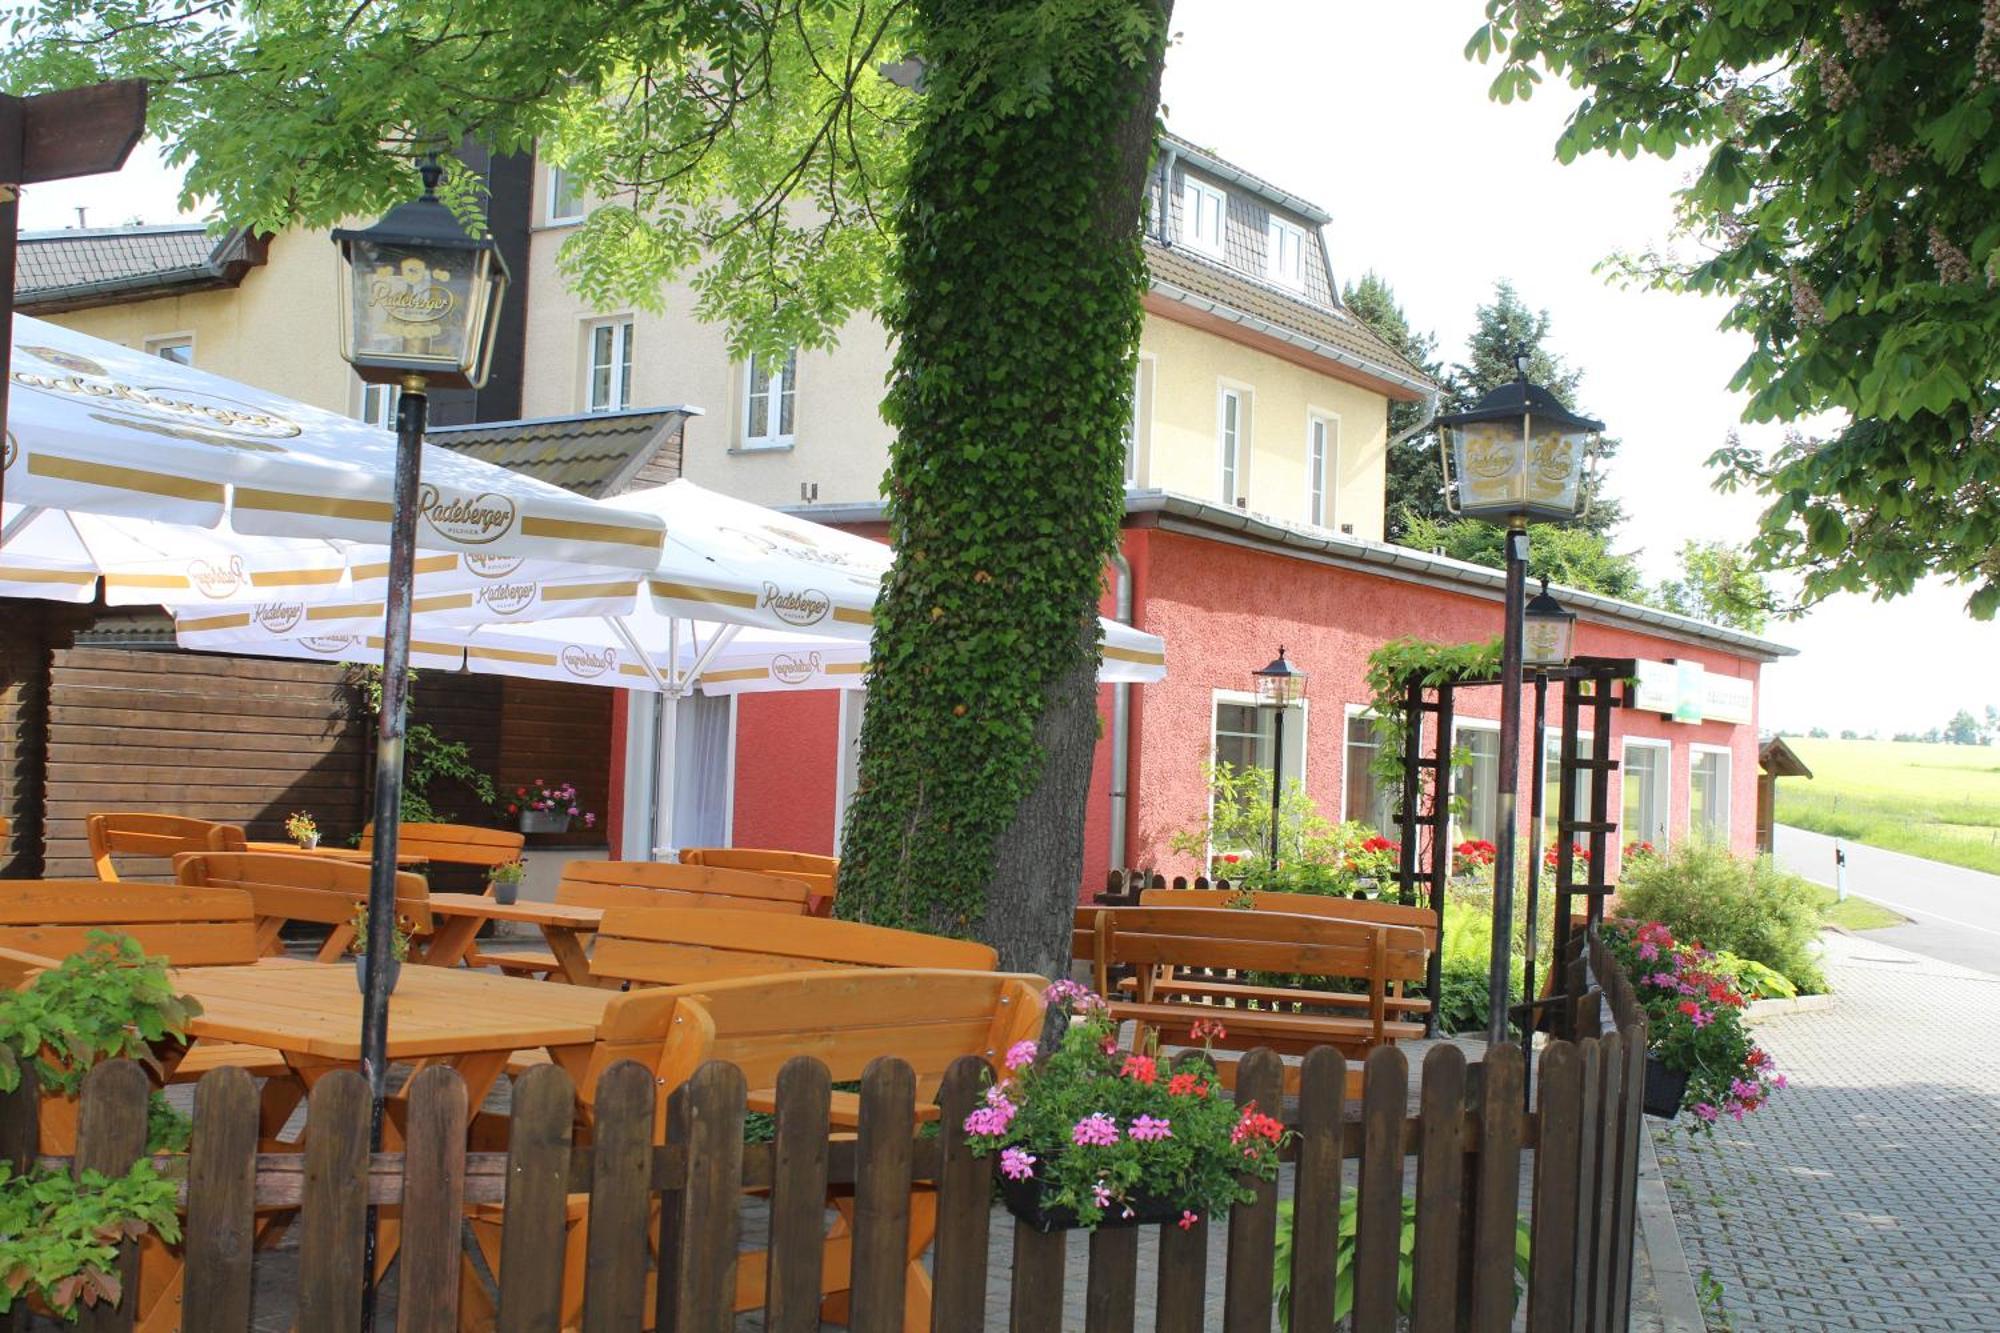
(1417,388)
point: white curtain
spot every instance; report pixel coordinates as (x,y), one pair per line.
(702,744)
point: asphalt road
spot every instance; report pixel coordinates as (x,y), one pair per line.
(1954,913)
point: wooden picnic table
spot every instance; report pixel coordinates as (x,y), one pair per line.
(458,916)
(311,1014)
(354,854)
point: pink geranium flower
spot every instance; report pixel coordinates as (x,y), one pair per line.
(1150,1129)
(1095,1131)
(1022,1053)
(1017,1163)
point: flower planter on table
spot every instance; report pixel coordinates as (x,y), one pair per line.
(1665,1088)
(544,821)
(1024,1200)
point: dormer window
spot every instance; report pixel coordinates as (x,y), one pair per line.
(1204,209)
(1285,253)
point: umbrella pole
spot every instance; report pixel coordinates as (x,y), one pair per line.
(410,417)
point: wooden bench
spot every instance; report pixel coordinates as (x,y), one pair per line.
(1156,941)
(452,844)
(1300,904)
(845,1019)
(317,889)
(43,921)
(818,873)
(134,833)
(609,884)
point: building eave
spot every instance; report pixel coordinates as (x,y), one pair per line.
(1172,511)
(1345,364)
(1211,165)
(233,256)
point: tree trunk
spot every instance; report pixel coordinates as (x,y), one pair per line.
(1018,325)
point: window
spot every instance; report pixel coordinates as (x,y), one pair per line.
(1645,766)
(1135,428)
(178,349)
(608,372)
(1320,451)
(1476,783)
(1552,782)
(1366,799)
(1285,253)
(769,388)
(378,404)
(1229,428)
(565,201)
(1708,793)
(1243,735)
(853,708)
(1203,212)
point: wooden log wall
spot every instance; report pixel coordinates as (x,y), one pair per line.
(561,733)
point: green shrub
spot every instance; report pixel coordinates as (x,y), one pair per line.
(1730,904)
(1465,948)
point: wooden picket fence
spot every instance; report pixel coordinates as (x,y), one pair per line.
(1467,1142)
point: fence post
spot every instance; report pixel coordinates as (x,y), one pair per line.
(20,1141)
(110,1136)
(965,1196)
(621,1200)
(530,1268)
(1604,1247)
(1316,1195)
(1253,1226)
(1552,1275)
(221,1203)
(334,1222)
(880,1271)
(433,1203)
(1385,1099)
(1631,1128)
(705,1114)
(1440,1193)
(1499,1189)
(798,1198)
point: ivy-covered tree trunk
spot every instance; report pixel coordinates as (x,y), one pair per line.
(1018,323)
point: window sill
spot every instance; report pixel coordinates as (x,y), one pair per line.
(561,224)
(777,447)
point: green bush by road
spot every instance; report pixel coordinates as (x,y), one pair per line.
(1936,801)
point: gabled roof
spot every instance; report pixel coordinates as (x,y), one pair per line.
(1227,171)
(93,266)
(596,454)
(1781,760)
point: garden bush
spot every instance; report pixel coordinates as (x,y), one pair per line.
(1730,904)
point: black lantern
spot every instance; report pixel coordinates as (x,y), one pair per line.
(418,296)
(1548,633)
(1516,455)
(1279,686)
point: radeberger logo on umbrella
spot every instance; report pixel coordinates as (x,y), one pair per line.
(8,450)
(805,606)
(329,643)
(471,520)
(506,599)
(278,617)
(587,663)
(216,582)
(795,668)
(491,566)
(196,413)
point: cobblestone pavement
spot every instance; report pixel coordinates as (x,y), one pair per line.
(1864,1196)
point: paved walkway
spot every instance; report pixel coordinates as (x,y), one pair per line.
(1863,1196)
(1954,912)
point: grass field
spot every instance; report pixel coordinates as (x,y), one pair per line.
(1939,801)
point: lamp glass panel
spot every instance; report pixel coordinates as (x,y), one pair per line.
(1545,641)
(1517,467)
(415,309)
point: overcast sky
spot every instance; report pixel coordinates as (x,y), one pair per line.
(1372,112)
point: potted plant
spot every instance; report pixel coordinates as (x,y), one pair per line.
(301,829)
(1698,1055)
(504,881)
(399,949)
(1090,1136)
(548,807)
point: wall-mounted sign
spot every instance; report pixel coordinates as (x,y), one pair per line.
(1686,692)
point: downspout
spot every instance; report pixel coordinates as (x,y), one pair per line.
(1431,401)
(1121,720)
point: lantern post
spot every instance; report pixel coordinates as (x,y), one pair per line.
(1279,686)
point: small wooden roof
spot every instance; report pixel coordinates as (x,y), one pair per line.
(1780,761)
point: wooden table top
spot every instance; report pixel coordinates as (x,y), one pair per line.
(315,1010)
(534,913)
(354,854)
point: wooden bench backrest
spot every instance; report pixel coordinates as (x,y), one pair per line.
(682,946)
(189,927)
(817,873)
(453,844)
(304,888)
(926,1017)
(1249,941)
(1303,904)
(164,836)
(610,884)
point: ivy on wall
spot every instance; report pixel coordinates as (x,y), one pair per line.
(1018,320)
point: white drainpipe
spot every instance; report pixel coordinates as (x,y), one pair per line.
(1121,724)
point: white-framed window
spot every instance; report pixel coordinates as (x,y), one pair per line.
(1138,429)
(847,780)
(565,202)
(1364,797)
(1322,454)
(1231,423)
(1285,253)
(770,389)
(1708,793)
(607,372)
(378,404)
(1204,215)
(1552,782)
(1245,734)
(1646,768)
(177,348)
(1476,783)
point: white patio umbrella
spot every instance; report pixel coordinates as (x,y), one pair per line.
(96,428)
(58,555)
